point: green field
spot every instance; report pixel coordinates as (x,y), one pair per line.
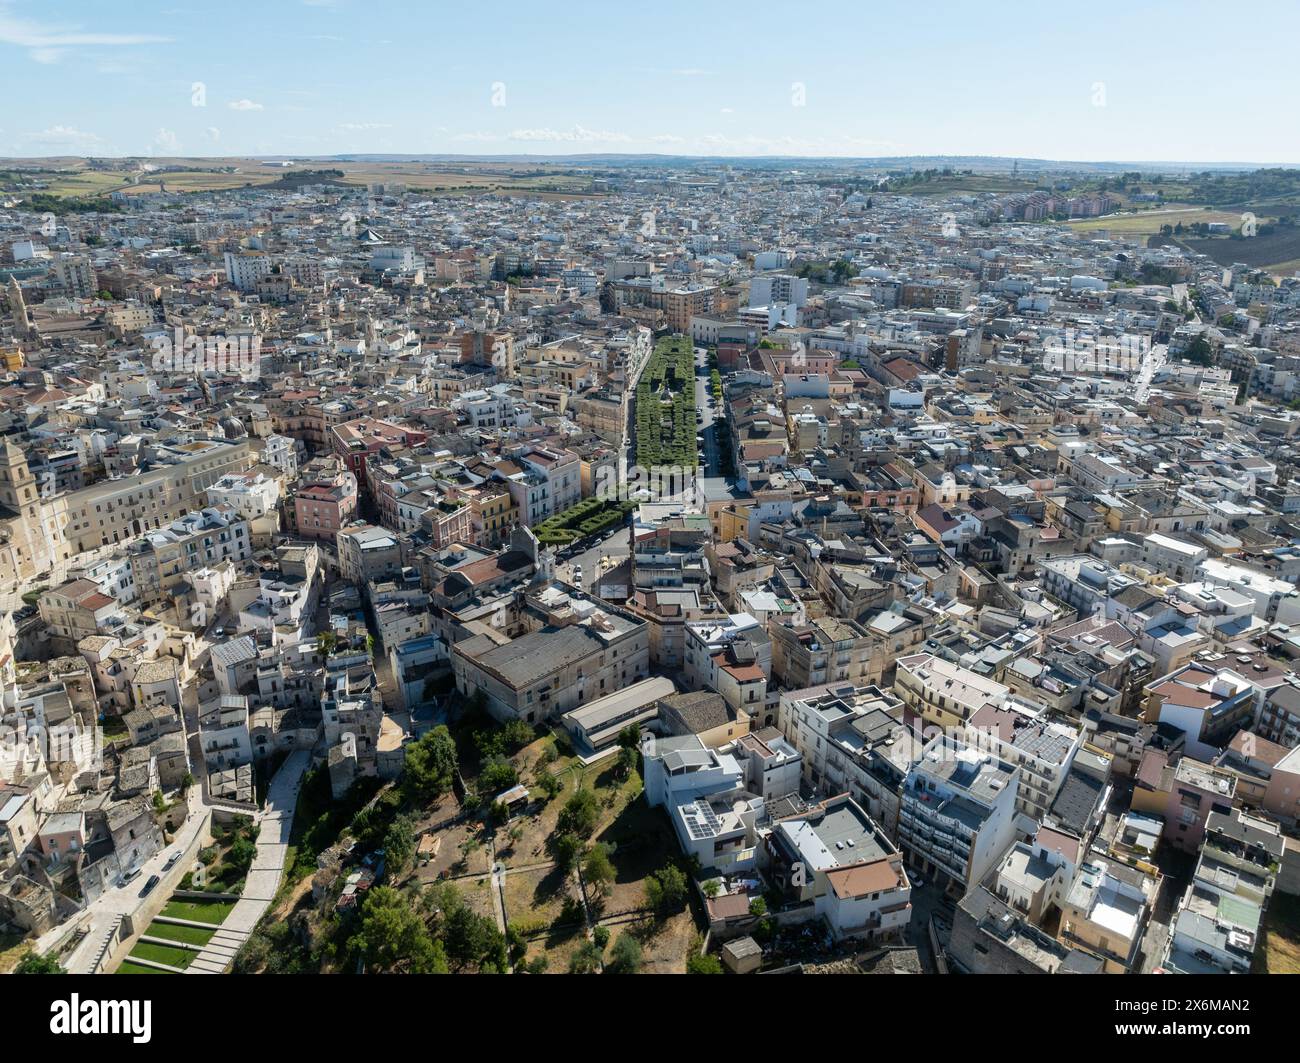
(127,967)
(196,181)
(86,183)
(213,912)
(181,958)
(191,935)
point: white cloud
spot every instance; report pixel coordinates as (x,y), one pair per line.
(64,136)
(244,105)
(577,135)
(47,43)
(786,145)
(357,127)
(212,133)
(165,143)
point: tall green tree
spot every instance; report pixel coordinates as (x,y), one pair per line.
(665,890)
(579,814)
(430,766)
(597,869)
(393,938)
(399,843)
(585,959)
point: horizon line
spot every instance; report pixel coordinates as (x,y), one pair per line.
(505,156)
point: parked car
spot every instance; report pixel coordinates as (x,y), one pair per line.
(130,876)
(171,861)
(148,886)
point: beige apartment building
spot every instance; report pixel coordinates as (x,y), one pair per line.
(942,693)
(163,557)
(39,528)
(118,510)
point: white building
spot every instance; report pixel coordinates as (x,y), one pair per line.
(251,495)
(245,268)
(281,452)
(836,857)
(958,813)
(1275,600)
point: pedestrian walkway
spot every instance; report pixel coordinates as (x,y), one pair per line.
(275,822)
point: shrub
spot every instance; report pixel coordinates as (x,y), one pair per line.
(579,815)
(625,957)
(700,963)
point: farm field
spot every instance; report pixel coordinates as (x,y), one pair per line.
(959,184)
(1279,251)
(73,178)
(1148,222)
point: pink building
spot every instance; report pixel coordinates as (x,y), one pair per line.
(321,508)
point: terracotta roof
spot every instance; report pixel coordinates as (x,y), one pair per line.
(1056,841)
(1185,695)
(861,879)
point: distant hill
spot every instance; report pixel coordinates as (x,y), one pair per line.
(978,163)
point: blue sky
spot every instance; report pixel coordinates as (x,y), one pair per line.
(1101,81)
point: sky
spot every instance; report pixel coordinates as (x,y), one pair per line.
(1177,82)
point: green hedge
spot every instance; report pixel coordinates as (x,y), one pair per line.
(665,407)
(587,517)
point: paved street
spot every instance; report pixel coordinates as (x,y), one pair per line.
(109,908)
(704,403)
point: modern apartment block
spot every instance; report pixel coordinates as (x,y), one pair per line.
(1042,747)
(958,812)
(852,740)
